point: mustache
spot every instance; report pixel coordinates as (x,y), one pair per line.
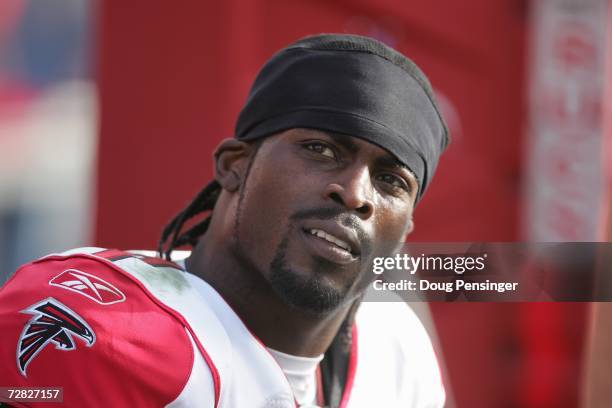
(334,213)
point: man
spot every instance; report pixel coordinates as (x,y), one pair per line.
(336,144)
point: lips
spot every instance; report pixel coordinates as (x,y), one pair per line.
(330,238)
(335,235)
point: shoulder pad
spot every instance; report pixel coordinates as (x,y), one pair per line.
(78,321)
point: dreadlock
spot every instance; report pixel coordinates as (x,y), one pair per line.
(204,201)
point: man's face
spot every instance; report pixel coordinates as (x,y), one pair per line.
(314,212)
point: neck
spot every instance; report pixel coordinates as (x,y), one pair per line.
(278,325)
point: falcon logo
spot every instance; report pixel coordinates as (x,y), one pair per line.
(54,323)
(89,286)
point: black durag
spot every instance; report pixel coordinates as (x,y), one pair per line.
(351,85)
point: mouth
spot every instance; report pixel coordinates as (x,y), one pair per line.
(329,238)
(325,244)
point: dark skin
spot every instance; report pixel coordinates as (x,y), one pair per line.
(262,240)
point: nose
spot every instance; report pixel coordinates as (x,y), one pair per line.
(354,191)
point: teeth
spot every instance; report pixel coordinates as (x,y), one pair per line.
(330,238)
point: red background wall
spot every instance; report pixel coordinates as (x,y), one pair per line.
(172,81)
(173,78)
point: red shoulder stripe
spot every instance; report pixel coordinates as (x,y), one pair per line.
(352,369)
(213,369)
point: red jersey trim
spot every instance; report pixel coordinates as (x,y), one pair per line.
(110,254)
(258,340)
(352,369)
(116,255)
(213,369)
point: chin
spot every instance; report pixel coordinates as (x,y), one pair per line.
(311,292)
(310,284)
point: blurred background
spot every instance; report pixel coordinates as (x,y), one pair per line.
(109,112)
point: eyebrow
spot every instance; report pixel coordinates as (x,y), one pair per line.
(346,141)
(387,160)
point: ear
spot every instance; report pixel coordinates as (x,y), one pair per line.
(231,159)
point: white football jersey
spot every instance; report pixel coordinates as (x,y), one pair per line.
(129,306)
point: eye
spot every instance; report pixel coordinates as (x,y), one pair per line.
(320,148)
(394,182)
